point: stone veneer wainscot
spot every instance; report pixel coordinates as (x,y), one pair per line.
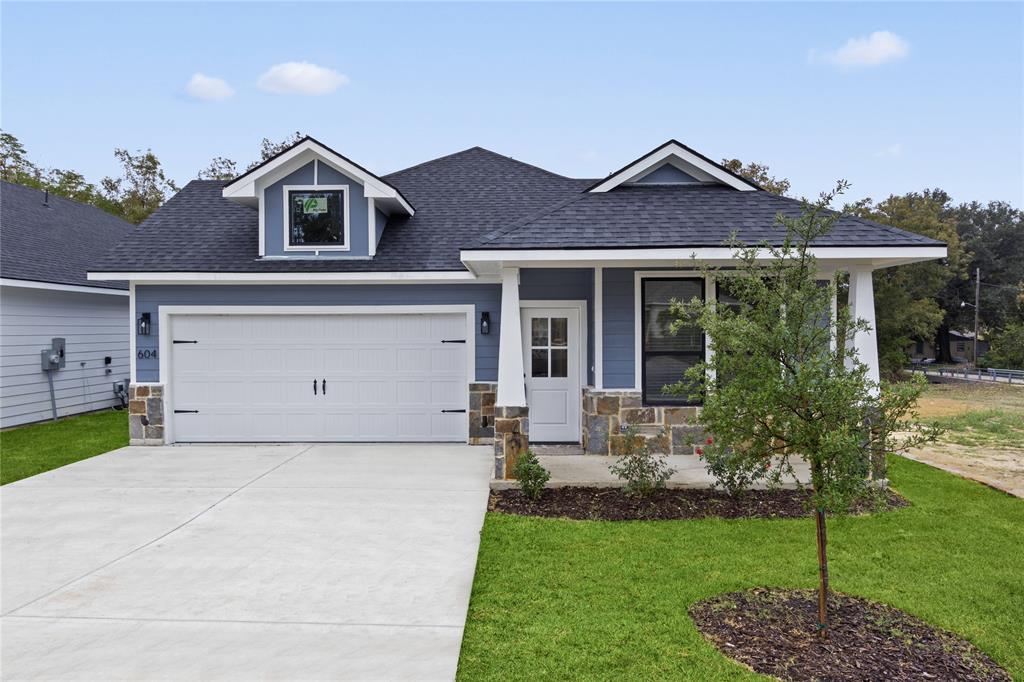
(668,429)
(146,415)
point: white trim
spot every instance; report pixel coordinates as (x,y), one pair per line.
(262,221)
(511,375)
(599,328)
(669,152)
(883,256)
(131,333)
(50,286)
(465,277)
(285,189)
(245,187)
(578,305)
(638,314)
(167,311)
(371,219)
(316,171)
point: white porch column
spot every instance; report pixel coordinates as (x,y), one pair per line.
(862,307)
(511,379)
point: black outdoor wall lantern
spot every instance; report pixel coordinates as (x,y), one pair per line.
(485,323)
(144,324)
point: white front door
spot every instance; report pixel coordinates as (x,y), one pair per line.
(551,342)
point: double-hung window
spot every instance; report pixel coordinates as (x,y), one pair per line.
(316,217)
(667,356)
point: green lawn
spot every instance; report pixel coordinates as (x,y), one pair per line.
(30,450)
(558,599)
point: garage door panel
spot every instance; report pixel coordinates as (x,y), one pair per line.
(388,377)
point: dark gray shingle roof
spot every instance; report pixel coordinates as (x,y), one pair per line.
(680,216)
(475,199)
(55,243)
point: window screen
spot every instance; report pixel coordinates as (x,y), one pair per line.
(667,356)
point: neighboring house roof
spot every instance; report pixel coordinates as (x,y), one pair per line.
(54,240)
(477,199)
(678,216)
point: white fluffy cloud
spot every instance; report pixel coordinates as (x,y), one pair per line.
(208,88)
(301,78)
(873,50)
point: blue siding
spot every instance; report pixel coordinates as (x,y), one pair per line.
(619,328)
(556,284)
(486,297)
(358,220)
(665,173)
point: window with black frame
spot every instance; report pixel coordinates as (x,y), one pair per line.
(316,218)
(667,356)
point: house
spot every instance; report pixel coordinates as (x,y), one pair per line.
(471,298)
(961,347)
(46,243)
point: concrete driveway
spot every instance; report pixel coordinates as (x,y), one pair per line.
(243,562)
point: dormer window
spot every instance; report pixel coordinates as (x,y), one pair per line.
(316,217)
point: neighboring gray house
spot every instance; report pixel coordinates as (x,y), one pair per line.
(46,243)
(469,298)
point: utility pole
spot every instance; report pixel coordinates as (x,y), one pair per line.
(977,302)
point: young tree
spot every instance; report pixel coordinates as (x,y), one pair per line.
(779,389)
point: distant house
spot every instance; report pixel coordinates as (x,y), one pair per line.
(961,347)
(46,243)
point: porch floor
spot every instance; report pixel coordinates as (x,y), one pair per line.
(592,471)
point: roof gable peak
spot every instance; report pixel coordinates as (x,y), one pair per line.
(683,158)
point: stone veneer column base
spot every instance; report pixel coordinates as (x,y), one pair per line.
(145,415)
(668,430)
(511,438)
(481,412)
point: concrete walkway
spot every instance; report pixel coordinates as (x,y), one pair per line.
(592,471)
(243,562)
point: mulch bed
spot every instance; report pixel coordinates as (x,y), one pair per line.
(773,632)
(613,504)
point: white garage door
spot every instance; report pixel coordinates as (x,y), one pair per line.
(354,377)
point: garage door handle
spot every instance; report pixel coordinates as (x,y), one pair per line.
(447,411)
(314,386)
(180,341)
(186,412)
(323,387)
(453,340)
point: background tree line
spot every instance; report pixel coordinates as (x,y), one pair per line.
(922,301)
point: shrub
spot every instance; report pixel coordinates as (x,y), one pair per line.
(643,471)
(531,474)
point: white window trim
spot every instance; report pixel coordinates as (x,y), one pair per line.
(581,307)
(167,312)
(638,355)
(344,189)
(371,219)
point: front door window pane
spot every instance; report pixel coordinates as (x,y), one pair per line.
(559,331)
(539,365)
(539,331)
(559,362)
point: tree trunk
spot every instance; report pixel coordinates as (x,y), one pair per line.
(819,517)
(942,354)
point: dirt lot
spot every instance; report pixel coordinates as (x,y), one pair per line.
(984,438)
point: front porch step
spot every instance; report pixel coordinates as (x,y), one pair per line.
(557,449)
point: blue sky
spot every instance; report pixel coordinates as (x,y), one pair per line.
(926,95)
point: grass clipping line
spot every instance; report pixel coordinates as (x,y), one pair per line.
(772,631)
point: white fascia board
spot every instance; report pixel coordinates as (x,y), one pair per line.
(293,277)
(246,188)
(670,152)
(870,255)
(50,286)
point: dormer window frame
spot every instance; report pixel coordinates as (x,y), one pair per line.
(287,218)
